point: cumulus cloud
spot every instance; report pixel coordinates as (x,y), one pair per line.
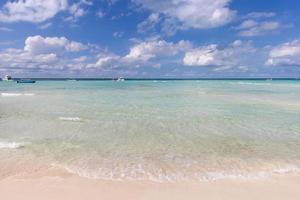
(105,61)
(58,45)
(20,59)
(157,52)
(203,56)
(34,11)
(41,53)
(218,57)
(199,14)
(56,53)
(144,51)
(287,54)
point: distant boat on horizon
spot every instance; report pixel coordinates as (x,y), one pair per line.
(7,78)
(26,81)
(119,79)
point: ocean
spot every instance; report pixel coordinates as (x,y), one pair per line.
(151,130)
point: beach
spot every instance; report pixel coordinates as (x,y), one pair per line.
(74,188)
(150,139)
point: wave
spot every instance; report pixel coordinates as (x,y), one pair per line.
(117,174)
(216,176)
(16,94)
(11,145)
(73,119)
(252,83)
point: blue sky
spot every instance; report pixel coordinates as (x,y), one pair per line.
(150,38)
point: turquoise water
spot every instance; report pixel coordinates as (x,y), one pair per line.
(151,130)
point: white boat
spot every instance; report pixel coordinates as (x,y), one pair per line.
(7,78)
(120,79)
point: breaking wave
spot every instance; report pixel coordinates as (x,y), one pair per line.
(72,119)
(16,94)
(11,145)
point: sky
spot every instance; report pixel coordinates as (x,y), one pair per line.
(150,38)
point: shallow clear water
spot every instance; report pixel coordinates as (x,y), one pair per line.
(151,130)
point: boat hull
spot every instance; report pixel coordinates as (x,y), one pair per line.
(25,81)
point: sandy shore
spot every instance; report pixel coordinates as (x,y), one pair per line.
(285,187)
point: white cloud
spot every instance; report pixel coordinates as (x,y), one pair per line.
(73,46)
(243,68)
(199,14)
(203,56)
(34,11)
(257,15)
(100,14)
(45,26)
(105,61)
(39,53)
(259,23)
(251,28)
(80,59)
(20,59)
(40,45)
(285,54)
(149,23)
(247,24)
(144,51)
(118,34)
(78,10)
(157,53)
(218,57)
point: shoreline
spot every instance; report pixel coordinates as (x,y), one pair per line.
(77,188)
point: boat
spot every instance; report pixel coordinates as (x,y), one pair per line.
(119,79)
(7,78)
(25,81)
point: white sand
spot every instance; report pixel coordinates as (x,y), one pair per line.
(283,187)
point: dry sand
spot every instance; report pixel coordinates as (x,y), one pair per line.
(283,187)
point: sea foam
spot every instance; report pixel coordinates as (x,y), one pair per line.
(16,94)
(73,119)
(11,145)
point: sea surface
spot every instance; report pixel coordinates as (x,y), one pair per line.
(162,131)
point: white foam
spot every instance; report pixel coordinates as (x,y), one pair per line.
(118,174)
(251,83)
(11,145)
(11,94)
(16,94)
(29,94)
(73,119)
(286,170)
